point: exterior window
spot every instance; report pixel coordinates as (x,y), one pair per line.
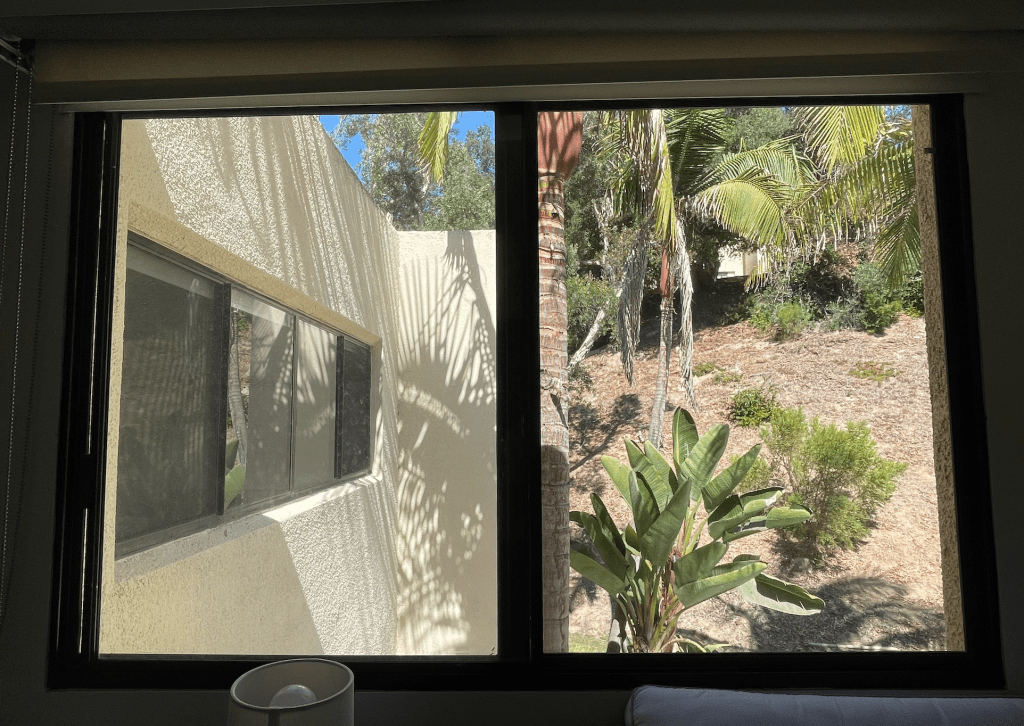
(197,352)
(170,442)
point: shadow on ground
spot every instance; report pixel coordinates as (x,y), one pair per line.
(863,613)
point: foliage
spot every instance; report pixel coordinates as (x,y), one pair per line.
(586,295)
(911,294)
(880,304)
(752,406)
(873,371)
(704,368)
(829,293)
(724,376)
(837,472)
(393,173)
(790,320)
(655,568)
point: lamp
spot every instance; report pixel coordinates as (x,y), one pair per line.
(300,692)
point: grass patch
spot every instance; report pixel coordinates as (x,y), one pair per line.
(873,371)
(584,643)
(704,368)
(724,376)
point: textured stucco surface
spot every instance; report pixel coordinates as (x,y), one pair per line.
(447,476)
(938,379)
(269,203)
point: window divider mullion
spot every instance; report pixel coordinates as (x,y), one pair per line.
(223,303)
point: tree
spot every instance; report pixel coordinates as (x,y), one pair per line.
(392,171)
(865,157)
(673,170)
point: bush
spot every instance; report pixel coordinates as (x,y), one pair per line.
(752,406)
(586,296)
(837,473)
(911,295)
(790,320)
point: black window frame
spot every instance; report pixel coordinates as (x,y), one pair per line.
(225,286)
(520,663)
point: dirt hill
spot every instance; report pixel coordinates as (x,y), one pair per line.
(887,593)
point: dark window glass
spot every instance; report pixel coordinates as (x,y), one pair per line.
(170,437)
(353,425)
(264,335)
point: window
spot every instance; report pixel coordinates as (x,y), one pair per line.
(197,352)
(519,657)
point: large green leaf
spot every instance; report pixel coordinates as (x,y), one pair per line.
(699,563)
(737,509)
(684,436)
(775,594)
(234,483)
(230,453)
(601,512)
(631,540)
(722,579)
(704,457)
(604,541)
(725,483)
(774,519)
(619,474)
(657,542)
(641,501)
(659,474)
(596,573)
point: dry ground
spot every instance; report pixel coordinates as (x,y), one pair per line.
(885,594)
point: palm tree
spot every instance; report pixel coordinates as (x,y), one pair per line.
(559,135)
(675,174)
(866,178)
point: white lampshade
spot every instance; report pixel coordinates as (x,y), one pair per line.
(300,692)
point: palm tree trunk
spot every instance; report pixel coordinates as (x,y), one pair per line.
(558,138)
(664,360)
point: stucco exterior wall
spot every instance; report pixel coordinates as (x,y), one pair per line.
(447,472)
(270,203)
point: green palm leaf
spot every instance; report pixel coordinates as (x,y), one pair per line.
(433,142)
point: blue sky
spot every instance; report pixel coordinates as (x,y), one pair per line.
(468,121)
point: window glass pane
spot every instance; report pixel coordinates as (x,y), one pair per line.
(354,406)
(778,261)
(265,350)
(352,424)
(316,381)
(168,448)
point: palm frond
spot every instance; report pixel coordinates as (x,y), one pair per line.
(898,247)
(839,135)
(644,179)
(751,204)
(629,304)
(433,142)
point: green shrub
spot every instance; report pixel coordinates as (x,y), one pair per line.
(881,305)
(790,320)
(911,295)
(586,295)
(844,315)
(724,376)
(704,368)
(879,313)
(837,473)
(752,406)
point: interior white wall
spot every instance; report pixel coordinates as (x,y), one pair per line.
(994,110)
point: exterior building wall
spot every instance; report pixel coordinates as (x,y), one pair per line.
(271,204)
(447,471)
